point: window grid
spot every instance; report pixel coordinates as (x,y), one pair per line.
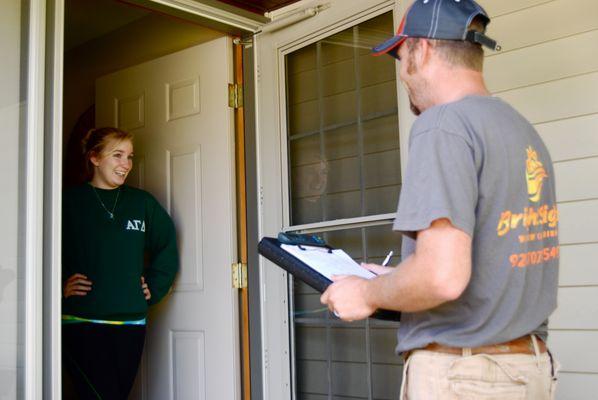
(315,317)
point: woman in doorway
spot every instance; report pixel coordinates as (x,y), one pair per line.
(119,257)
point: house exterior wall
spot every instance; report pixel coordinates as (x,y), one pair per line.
(548,70)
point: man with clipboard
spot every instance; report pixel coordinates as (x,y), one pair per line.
(477,209)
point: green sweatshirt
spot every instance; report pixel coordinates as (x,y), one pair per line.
(112,252)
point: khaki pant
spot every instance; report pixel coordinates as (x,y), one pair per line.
(429,375)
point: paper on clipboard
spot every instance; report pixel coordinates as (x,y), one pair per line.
(328,263)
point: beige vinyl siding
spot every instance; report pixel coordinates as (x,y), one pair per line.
(548,70)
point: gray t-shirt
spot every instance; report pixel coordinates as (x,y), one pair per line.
(482,165)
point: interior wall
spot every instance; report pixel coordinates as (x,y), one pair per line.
(147,38)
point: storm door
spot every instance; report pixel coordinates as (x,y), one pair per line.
(344,179)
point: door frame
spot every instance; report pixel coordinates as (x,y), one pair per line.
(241,219)
(53,158)
(273,210)
(43,349)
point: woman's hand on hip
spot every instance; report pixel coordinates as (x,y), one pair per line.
(76,285)
(145,288)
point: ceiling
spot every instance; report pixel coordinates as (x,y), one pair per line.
(89,19)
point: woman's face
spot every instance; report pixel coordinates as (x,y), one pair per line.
(113,165)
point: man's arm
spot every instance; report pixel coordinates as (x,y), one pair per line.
(438,271)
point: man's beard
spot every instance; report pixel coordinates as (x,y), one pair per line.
(411,70)
(414,109)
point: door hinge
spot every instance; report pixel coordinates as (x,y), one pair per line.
(239,275)
(235,95)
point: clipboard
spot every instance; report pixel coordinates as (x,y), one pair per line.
(272,249)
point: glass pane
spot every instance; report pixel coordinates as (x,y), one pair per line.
(340,359)
(13,107)
(343,134)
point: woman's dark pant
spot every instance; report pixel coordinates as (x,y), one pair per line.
(102,360)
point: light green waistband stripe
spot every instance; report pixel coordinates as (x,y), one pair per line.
(71,319)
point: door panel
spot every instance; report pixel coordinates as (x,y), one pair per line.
(176,106)
(188,356)
(186,203)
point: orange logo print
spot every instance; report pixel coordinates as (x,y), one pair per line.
(534,175)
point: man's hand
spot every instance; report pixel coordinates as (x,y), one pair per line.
(76,285)
(146,292)
(347,298)
(377,269)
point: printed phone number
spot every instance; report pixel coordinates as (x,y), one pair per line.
(523,260)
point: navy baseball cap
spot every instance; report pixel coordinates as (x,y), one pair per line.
(438,19)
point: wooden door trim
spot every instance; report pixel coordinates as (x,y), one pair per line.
(241,189)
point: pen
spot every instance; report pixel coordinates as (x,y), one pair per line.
(387,259)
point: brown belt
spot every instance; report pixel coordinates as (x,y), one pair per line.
(522,345)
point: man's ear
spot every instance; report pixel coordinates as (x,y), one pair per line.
(424,52)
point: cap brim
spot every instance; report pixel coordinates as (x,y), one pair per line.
(390,47)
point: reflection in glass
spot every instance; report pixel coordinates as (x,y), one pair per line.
(343,132)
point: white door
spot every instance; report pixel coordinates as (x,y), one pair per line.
(177,108)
